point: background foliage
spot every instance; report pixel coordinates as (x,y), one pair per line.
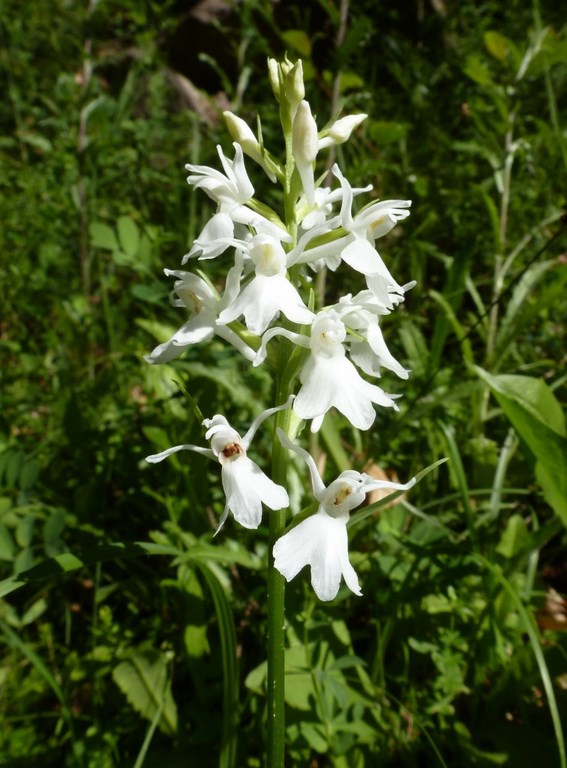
(456,654)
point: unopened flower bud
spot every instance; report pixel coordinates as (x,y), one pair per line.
(341,130)
(304,137)
(243,134)
(294,87)
(305,145)
(274,76)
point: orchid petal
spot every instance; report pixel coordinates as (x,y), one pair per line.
(246,487)
(249,436)
(321,542)
(316,481)
(262,299)
(156,457)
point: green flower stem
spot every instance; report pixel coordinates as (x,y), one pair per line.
(276,596)
(276,657)
(287,369)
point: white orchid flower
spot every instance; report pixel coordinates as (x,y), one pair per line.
(360,313)
(364,228)
(245,485)
(328,378)
(196,295)
(228,189)
(231,191)
(320,212)
(321,540)
(269,292)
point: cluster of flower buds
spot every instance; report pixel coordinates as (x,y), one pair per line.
(273,258)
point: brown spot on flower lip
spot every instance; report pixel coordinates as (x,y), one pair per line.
(345,491)
(231,450)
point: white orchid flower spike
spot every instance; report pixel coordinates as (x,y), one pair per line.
(245,485)
(320,540)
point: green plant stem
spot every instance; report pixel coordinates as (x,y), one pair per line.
(276,657)
(276,598)
(276,582)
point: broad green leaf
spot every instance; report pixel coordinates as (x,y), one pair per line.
(103,236)
(24,531)
(386,132)
(350,81)
(143,679)
(299,41)
(514,538)
(499,46)
(314,734)
(129,235)
(532,395)
(7,546)
(476,69)
(537,417)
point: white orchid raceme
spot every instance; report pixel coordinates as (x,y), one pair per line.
(321,540)
(204,304)
(270,255)
(328,378)
(245,485)
(269,292)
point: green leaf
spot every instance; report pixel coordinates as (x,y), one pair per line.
(229,664)
(129,235)
(537,417)
(515,537)
(384,132)
(299,41)
(476,69)
(103,236)
(67,562)
(533,395)
(7,546)
(517,312)
(499,46)
(144,680)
